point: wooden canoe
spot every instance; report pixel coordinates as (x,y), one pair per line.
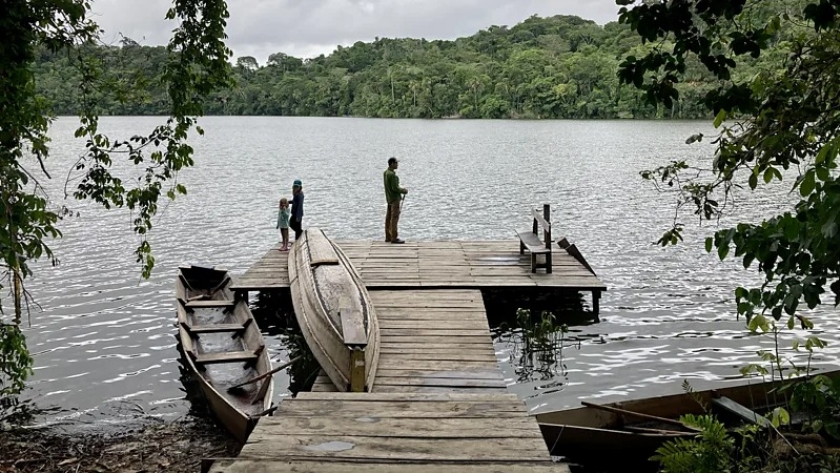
(334,311)
(223,346)
(597,437)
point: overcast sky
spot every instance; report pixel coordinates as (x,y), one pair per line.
(307,28)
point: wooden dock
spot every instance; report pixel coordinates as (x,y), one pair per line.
(439,404)
(441,265)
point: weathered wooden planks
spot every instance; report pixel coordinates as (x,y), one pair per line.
(439,403)
(427,345)
(305,465)
(376,396)
(327,432)
(421,388)
(453,264)
(402,427)
(395,448)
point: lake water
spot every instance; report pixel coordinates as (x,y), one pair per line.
(103,339)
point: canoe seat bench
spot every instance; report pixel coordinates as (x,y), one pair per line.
(215,328)
(225,357)
(222,304)
(530,239)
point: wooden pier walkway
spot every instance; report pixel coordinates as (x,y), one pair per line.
(438,405)
(441,265)
(435,265)
(432,341)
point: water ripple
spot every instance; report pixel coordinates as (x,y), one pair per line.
(105,337)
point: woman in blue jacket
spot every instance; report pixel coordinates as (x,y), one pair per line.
(297,208)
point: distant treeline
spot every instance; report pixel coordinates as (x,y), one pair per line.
(558,67)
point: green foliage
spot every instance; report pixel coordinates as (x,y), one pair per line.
(710,452)
(754,449)
(557,67)
(193,65)
(819,397)
(15,362)
(777,121)
(544,333)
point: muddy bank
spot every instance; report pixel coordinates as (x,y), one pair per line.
(148,446)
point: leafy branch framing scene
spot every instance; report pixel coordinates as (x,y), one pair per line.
(196,64)
(765,73)
(777,126)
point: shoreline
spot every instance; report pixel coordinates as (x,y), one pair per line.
(149,445)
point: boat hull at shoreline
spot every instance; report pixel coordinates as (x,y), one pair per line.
(584,434)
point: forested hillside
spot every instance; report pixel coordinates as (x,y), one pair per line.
(558,67)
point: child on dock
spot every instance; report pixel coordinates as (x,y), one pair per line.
(283,216)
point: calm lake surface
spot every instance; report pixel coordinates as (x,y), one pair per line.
(104,340)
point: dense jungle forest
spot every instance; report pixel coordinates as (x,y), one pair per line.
(542,68)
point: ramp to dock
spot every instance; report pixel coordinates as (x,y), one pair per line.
(438,404)
(432,341)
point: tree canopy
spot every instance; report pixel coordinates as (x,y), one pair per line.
(775,124)
(555,67)
(192,65)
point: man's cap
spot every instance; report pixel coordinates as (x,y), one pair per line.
(392,160)
(298,183)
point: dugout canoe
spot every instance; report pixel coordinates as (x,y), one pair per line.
(334,311)
(223,347)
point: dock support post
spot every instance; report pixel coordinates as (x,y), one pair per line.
(547,236)
(357,370)
(596,305)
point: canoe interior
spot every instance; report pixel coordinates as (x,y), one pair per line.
(202,280)
(334,311)
(237,411)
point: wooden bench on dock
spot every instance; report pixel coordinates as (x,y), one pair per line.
(531,241)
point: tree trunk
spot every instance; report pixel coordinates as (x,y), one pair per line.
(14,263)
(18,288)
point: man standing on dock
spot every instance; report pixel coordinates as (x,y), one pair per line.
(394,196)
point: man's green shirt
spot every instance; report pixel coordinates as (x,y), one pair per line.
(393,191)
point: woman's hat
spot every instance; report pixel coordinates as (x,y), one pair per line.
(298,183)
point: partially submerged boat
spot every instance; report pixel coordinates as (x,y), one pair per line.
(223,347)
(334,311)
(630,432)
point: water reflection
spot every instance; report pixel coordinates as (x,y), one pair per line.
(275,314)
(532,333)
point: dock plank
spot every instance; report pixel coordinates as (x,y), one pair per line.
(276,445)
(306,465)
(375,396)
(399,388)
(402,427)
(451,382)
